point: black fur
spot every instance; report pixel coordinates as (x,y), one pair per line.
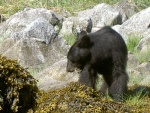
(103,52)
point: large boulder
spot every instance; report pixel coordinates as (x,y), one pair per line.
(126,8)
(74,25)
(31,37)
(31,23)
(137,24)
(33,53)
(101,15)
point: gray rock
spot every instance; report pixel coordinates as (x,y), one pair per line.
(21,24)
(132,61)
(101,15)
(135,25)
(40,29)
(138,73)
(121,31)
(138,23)
(31,38)
(73,25)
(66,27)
(144,44)
(145,81)
(6,44)
(143,68)
(33,52)
(127,8)
(55,76)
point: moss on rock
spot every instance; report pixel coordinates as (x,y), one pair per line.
(18,88)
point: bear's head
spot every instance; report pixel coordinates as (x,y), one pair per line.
(79,54)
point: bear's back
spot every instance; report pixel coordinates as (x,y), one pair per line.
(107,39)
(106,43)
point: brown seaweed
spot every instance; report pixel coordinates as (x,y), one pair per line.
(77,98)
(17,87)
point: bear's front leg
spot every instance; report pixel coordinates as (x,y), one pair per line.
(88,76)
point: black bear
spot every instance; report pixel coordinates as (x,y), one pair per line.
(103,52)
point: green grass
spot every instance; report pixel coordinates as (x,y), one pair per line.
(142,4)
(135,79)
(9,7)
(70,39)
(143,56)
(138,99)
(132,42)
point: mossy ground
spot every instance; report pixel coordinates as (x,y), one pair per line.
(77,98)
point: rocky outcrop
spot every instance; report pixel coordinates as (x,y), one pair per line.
(126,8)
(34,53)
(137,24)
(101,15)
(32,23)
(30,37)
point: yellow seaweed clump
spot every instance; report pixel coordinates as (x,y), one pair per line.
(77,98)
(18,88)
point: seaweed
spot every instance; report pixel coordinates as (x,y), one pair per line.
(18,90)
(77,98)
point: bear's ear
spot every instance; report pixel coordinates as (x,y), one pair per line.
(81,34)
(84,42)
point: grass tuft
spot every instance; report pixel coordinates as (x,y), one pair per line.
(70,39)
(132,42)
(138,99)
(143,56)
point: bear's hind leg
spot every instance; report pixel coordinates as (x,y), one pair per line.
(118,86)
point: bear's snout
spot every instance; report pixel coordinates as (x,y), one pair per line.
(70,66)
